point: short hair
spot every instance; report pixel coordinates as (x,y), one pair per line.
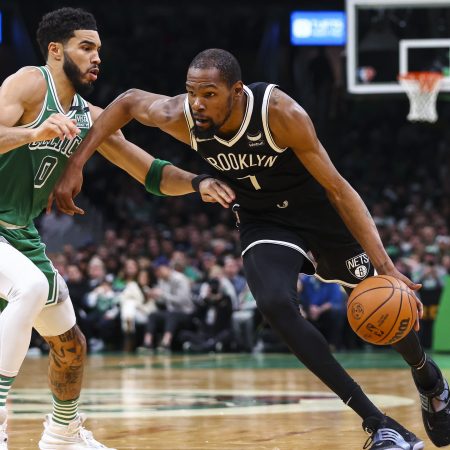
(223,61)
(59,26)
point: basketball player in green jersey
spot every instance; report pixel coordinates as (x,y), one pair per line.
(43,119)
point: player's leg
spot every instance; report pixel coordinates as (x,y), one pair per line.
(64,428)
(432,386)
(56,320)
(25,288)
(272,272)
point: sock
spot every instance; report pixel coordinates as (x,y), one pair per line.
(359,402)
(5,386)
(64,411)
(425,374)
(412,352)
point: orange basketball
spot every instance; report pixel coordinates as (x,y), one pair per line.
(382,310)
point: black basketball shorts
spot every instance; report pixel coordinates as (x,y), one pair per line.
(343,262)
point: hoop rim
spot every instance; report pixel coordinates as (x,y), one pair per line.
(420,75)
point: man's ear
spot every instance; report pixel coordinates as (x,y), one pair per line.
(238,88)
(55,51)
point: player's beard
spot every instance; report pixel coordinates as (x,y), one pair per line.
(214,128)
(75,76)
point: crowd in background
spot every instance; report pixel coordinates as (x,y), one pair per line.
(165,273)
(123,280)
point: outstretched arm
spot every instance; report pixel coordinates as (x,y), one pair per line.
(292,127)
(150,109)
(130,157)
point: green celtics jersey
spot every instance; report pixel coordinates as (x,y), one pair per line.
(29,173)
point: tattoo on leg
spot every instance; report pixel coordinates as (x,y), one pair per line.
(67,356)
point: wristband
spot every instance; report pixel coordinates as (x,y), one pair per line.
(198,179)
(153,177)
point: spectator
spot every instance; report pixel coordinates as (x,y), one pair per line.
(325,307)
(174,301)
(244,321)
(131,301)
(103,321)
(212,320)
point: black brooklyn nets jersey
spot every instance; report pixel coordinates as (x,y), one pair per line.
(270,182)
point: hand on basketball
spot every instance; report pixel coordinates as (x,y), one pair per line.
(213,190)
(57,125)
(414,287)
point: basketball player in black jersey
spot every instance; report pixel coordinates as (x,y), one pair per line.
(290,199)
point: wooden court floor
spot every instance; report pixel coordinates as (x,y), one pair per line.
(218,402)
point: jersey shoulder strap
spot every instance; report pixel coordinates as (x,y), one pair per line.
(262,92)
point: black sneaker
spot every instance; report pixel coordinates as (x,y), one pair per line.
(387,434)
(437,424)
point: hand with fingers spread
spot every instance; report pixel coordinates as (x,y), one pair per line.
(412,286)
(213,190)
(57,125)
(66,189)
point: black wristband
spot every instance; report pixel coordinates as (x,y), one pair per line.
(198,179)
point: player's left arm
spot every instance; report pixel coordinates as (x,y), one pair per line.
(292,127)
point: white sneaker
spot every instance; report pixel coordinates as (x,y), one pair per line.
(71,437)
(3,435)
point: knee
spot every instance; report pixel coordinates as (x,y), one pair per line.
(271,301)
(33,290)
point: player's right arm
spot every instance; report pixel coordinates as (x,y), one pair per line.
(21,97)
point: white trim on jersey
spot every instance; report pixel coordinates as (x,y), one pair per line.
(11,226)
(85,104)
(71,111)
(245,122)
(274,241)
(265,119)
(38,118)
(190,122)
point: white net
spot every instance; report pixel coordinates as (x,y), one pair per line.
(422,89)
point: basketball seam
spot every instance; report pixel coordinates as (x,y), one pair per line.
(372,289)
(395,321)
(375,310)
(411,306)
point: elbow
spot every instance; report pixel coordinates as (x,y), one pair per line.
(128,99)
(335,196)
(339,191)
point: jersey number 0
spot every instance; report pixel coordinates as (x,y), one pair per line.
(46,168)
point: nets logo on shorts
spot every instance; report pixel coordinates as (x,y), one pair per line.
(359,266)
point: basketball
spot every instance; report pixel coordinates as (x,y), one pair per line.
(382,310)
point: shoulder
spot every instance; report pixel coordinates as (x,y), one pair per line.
(282,105)
(286,117)
(27,84)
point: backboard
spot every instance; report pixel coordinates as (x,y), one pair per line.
(389,37)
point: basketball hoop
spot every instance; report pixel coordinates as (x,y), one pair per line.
(422,89)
